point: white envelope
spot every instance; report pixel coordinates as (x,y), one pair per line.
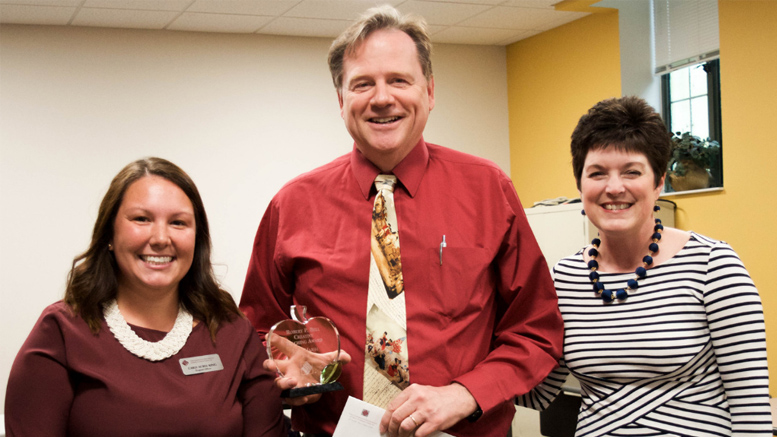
(360,419)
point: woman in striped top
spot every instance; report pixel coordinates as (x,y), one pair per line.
(671,343)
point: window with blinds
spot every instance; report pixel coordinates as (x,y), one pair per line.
(684,32)
(686,55)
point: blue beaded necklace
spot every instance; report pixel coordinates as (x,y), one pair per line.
(622,293)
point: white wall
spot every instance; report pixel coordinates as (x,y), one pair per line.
(636,50)
(242,114)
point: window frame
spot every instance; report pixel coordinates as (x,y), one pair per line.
(712,68)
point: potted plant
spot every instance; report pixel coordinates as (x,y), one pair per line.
(695,163)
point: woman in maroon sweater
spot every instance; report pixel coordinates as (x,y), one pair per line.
(144,342)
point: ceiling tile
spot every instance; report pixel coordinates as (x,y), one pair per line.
(504,17)
(314,18)
(334,9)
(123,18)
(197,22)
(472,2)
(145,5)
(305,27)
(244,7)
(442,13)
(434,28)
(46,15)
(474,35)
(540,4)
(562,19)
(521,36)
(42,2)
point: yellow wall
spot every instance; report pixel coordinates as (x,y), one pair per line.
(556,76)
(552,79)
(745,215)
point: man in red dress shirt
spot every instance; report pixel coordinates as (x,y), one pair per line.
(483,324)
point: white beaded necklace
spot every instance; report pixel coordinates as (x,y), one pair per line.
(166,348)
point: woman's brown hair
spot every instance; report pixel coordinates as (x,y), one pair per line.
(628,124)
(93,278)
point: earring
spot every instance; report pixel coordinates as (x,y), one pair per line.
(582,211)
(110,247)
(656,208)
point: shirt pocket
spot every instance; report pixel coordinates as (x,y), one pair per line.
(456,287)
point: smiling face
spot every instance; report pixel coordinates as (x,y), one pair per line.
(153,236)
(385,99)
(618,192)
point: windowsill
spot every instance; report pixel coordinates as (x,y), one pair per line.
(684,193)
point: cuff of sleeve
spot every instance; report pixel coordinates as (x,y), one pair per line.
(483,398)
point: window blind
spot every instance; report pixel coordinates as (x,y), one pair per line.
(684,32)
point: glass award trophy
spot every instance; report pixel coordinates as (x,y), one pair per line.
(307,350)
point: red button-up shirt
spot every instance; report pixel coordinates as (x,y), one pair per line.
(487,317)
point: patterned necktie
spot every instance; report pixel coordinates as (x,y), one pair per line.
(385,363)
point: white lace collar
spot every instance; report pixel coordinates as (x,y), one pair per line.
(166,348)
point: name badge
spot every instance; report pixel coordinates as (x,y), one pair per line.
(203,364)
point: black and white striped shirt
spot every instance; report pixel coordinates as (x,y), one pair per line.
(685,354)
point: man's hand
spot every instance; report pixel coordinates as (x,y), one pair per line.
(289,381)
(424,409)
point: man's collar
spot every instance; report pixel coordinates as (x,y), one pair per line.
(409,171)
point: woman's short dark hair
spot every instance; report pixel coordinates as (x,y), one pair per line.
(628,124)
(93,278)
(379,18)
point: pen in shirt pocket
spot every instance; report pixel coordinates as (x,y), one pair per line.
(442,245)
